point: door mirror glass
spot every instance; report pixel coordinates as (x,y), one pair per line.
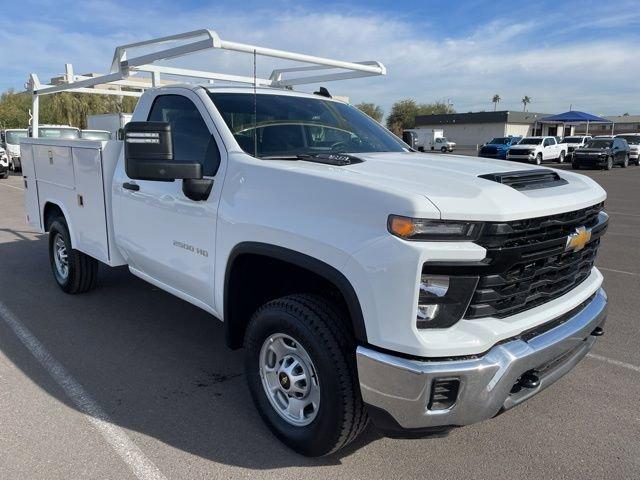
(148,153)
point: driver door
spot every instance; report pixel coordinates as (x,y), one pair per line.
(168,238)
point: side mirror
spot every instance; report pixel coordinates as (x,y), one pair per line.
(148,154)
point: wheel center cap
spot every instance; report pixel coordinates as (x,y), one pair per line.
(283,378)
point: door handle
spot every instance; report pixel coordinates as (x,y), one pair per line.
(131,186)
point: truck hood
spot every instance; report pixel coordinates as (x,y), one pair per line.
(452,184)
(523,147)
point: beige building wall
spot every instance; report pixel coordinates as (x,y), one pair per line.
(519,129)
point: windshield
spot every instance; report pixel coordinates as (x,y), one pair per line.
(631,139)
(571,140)
(94,135)
(14,136)
(66,133)
(290,126)
(599,143)
(530,141)
(500,141)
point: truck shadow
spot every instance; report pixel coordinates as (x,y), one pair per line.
(156,364)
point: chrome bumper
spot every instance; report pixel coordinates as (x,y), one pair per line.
(402,387)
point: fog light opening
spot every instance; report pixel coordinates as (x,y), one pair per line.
(444,393)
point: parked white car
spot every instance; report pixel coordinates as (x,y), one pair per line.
(364,280)
(11,138)
(442,144)
(4,163)
(633,139)
(573,142)
(537,150)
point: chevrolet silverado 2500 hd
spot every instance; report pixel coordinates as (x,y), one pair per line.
(364,280)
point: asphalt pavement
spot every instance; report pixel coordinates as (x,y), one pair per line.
(130,382)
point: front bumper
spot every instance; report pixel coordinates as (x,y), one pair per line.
(591,161)
(401,387)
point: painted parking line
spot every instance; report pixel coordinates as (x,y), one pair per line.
(11,186)
(612,361)
(140,465)
(618,271)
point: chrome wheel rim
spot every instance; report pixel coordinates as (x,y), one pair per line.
(60,256)
(289,379)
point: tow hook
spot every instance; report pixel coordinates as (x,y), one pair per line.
(597,332)
(529,380)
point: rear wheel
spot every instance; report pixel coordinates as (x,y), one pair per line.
(300,367)
(4,174)
(74,271)
(625,162)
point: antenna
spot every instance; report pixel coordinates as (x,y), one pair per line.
(255,107)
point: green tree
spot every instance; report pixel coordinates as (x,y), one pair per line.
(63,108)
(371,109)
(495,100)
(525,101)
(403,113)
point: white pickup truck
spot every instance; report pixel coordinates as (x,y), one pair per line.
(538,150)
(364,280)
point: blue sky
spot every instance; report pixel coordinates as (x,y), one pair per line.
(559,53)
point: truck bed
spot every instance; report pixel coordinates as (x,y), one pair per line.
(75,175)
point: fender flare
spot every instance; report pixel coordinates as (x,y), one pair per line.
(301,260)
(67,217)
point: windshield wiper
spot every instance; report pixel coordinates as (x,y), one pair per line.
(338,159)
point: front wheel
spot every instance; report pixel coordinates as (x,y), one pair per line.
(575,166)
(625,162)
(609,164)
(5,174)
(74,271)
(561,157)
(539,159)
(443,149)
(300,367)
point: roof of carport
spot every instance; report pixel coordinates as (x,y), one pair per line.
(574,116)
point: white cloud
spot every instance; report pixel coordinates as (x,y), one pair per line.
(595,75)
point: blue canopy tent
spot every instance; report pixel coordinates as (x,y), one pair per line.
(573,117)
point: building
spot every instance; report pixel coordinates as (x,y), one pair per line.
(621,124)
(475,128)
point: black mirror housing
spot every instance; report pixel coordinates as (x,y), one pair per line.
(148,153)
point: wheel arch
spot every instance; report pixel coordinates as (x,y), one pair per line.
(236,319)
(51,210)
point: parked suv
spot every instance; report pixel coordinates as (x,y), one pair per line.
(633,139)
(498,147)
(602,152)
(537,150)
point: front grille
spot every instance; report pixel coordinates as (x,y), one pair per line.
(527,263)
(519,152)
(488,150)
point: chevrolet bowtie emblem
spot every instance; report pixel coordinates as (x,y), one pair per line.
(578,239)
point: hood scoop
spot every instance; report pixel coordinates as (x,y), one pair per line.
(527,179)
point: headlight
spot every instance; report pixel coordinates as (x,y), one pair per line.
(443,300)
(423,229)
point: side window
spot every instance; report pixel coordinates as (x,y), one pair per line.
(192,141)
(547,142)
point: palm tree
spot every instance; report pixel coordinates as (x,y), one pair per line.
(496,99)
(525,100)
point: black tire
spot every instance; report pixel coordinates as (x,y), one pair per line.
(609,164)
(575,166)
(443,149)
(625,162)
(318,326)
(561,157)
(539,159)
(638,161)
(4,175)
(82,269)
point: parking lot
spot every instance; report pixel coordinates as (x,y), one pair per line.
(129,375)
